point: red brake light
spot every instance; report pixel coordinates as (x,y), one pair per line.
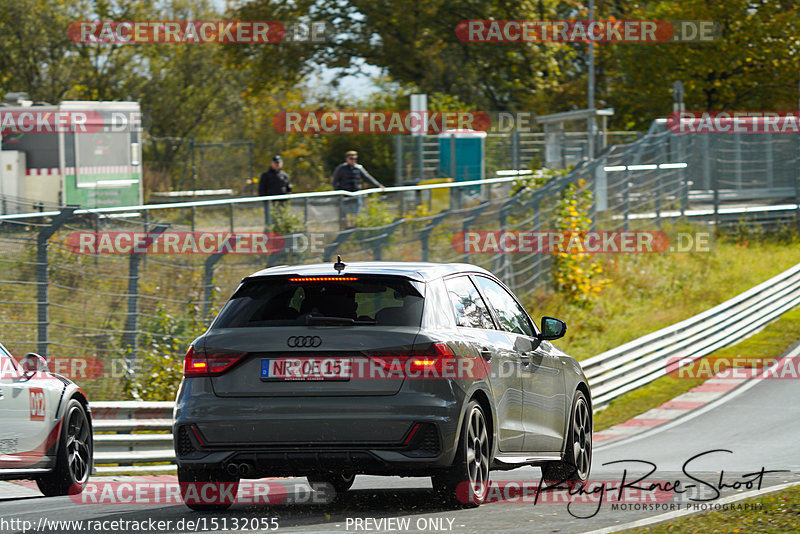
(325,279)
(199,363)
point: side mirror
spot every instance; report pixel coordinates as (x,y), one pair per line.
(31,364)
(552,328)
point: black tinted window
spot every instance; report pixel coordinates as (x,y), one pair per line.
(469,307)
(368,300)
(511,315)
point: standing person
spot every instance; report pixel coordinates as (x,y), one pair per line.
(273,182)
(348,177)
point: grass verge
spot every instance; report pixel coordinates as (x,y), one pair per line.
(652,291)
(771,342)
(778,513)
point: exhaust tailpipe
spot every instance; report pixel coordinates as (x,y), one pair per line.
(245,469)
(232,469)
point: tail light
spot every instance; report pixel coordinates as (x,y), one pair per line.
(199,363)
(428,362)
(432,360)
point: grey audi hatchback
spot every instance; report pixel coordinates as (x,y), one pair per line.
(383,368)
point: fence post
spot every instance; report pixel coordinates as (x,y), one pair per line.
(797,183)
(715,186)
(208,273)
(425,233)
(627,202)
(769,161)
(131,331)
(600,200)
(42,279)
(738,145)
(382,237)
(398,159)
(340,238)
(476,212)
(421,156)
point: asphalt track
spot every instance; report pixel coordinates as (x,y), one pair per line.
(758,423)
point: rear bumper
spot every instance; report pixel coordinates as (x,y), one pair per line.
(412,432)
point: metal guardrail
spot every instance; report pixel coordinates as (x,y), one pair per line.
(639,362)
(120,427)
(132,432)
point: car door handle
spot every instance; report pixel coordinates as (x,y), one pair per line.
(525,358)
(486,354)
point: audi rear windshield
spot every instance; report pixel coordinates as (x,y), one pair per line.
(324,301)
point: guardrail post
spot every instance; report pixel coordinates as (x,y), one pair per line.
(42,278)
(129,339)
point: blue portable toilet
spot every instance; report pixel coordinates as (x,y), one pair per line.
(461,154)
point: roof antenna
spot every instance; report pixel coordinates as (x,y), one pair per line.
(339,265)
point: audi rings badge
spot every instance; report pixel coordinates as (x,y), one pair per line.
(297,342)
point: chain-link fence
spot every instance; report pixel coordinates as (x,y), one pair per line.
(129,313)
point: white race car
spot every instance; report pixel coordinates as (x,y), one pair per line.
(45,426)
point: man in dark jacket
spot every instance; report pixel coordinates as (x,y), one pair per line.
(348,177)
(273,182)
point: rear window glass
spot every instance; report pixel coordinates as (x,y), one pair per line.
(369,300)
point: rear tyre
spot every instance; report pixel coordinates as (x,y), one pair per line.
(578,456)
(341,482)
(73,457)
(191,482)
(466,483)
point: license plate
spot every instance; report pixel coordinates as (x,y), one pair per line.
(305,369)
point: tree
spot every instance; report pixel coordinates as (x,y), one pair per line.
(753,66)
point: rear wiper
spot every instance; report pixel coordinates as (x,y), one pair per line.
(320,319)
(346,321)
